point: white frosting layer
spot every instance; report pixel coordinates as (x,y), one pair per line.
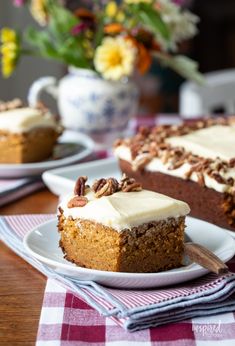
(127,209)
(156,165)
(212,142)
(24,119)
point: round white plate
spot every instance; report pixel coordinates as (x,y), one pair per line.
(42,243)
(72,146)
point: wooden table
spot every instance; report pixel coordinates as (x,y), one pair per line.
(21,286)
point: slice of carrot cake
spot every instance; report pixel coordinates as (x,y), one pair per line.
(118,226)
(26,134)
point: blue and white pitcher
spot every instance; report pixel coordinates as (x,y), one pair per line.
(90,104)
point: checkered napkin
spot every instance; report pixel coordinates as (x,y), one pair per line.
(72,307)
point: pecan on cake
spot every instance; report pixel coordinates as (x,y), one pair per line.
(117,226)
(192,162)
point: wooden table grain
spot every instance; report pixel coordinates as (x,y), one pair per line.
(21,286)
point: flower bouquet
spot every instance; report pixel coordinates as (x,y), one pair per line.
(114,39)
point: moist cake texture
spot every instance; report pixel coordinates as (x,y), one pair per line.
(117,226)
(26,134)
(193,162)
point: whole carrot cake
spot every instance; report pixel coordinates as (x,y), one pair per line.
(26,134)
(192,162)
(117,226)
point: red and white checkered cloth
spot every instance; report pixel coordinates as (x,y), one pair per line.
(67,320)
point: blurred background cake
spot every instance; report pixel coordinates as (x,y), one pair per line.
(195,163)
(26,134)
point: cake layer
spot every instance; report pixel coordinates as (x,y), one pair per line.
(32,146)
(205,203)
(123,210)
(22,120)
(150,247)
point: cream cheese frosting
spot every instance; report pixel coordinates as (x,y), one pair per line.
(211,142)
(156,165)
(24,119)
(124,210)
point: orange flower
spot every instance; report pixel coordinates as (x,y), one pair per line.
(83,13)
(155,46)
(113,29)
(144,58)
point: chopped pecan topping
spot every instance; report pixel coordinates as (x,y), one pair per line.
(110,187)
(152,143)
(232,163)
(141,162)
(135,148)
(80,186)
(144,131)
(230,181)
(5,106)
(189,173)
(129,184)
(201,180)
(98,184)
(176,164)
(165,157)
(218,178)
(118,142)
(132,187)
(77,201)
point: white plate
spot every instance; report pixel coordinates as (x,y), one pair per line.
(61,181)
(72,147)
(42,243)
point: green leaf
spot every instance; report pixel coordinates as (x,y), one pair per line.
(151,18)
(61,21)
(42,42)
(73,54)
(99,34)
(183,65)
(70,52)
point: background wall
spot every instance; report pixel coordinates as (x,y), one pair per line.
(30,68)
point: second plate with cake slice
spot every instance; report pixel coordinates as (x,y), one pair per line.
(71,147)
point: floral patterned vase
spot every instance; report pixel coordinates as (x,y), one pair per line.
(87,103)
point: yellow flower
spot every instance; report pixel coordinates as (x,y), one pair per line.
(120,16)
(115,58)
(8,35)
(111,9)
(39,11)
(137,1)
(7,68)
(9,51)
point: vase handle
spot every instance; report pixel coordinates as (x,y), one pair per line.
(48,84)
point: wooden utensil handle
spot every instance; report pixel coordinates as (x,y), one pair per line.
(207,259)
